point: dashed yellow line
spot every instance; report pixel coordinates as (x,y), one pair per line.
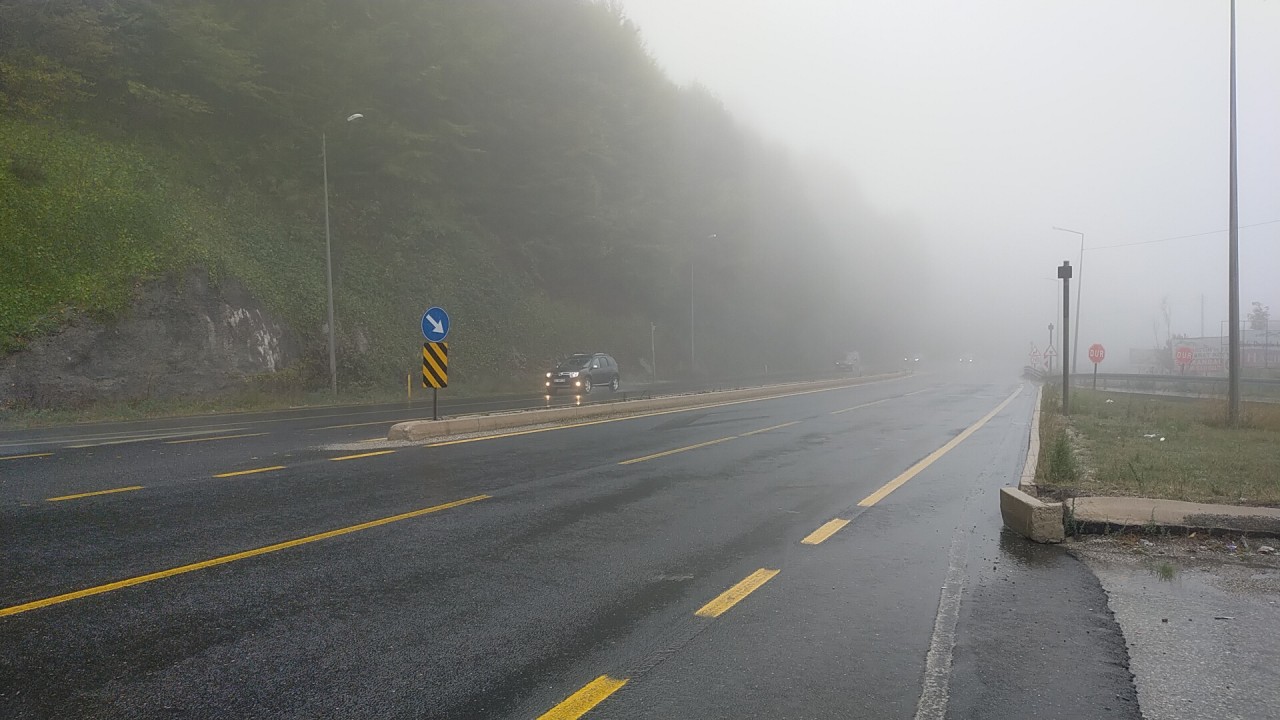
(130,582)
(362,455)
(829,528)
(677,450)
(735,594)
(869,404)
(91,494)
(23,457)
(249,472)
(765,430)
(211,439)
(591,695)
(919,467)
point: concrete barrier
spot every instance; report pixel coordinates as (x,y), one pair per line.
(1027,482)
(1031,518)
(417,430)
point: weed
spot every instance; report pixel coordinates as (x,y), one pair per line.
(1165,571)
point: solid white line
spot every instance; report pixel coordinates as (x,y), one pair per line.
(937,664)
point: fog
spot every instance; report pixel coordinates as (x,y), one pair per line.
(974,128)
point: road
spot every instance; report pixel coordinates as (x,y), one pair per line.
(819,555)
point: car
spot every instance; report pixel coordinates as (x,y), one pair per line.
(582,372)
(851,362)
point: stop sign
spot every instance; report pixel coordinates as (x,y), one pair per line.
(1097,353)
(1183,355)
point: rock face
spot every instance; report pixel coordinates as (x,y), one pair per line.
(183,337)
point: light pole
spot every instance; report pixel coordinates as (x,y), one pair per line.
(653,351)
(1075,354)
(1233,252)
(693,260)
(328,261)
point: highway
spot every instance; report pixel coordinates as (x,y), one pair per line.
(816,555)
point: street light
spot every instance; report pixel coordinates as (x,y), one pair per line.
(1075,351)
(328,261)
(1233,254)
(693,261)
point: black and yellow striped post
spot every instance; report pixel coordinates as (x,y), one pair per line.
(435,372)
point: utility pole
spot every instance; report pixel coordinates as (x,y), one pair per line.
(1046,352)
(1233,280)
(1201,314)
(653,351)
(1064,272)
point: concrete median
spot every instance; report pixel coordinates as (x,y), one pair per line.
(1030,517)
(418,430)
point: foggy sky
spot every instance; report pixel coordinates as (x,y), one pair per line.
(982,124)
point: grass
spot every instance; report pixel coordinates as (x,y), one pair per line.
(1116,448)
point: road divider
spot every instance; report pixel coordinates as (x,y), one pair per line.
(735,594)
(77,496)
(223,560)
(420,430)
(591,695)
(357,456)
(211,439)
(24,457)
(829,528)
(254,471)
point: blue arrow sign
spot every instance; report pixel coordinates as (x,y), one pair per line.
(435,324)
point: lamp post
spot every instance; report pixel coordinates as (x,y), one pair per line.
(1075,356)
(653,350)
(693,259)
(328,260)
(1233,254)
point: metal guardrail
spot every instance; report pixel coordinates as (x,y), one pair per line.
(1082,378)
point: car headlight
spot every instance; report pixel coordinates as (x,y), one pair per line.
(573,374)
(548,374)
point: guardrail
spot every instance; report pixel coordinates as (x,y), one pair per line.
(1182,385)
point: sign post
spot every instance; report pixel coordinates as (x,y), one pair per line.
(435,355)
(1097,354)
(1064,274)
(1182,357)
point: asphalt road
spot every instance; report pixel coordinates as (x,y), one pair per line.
(826,554)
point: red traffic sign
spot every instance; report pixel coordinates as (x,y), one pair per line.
(1183,355)
(1097,353)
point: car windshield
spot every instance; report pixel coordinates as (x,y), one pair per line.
(574,362)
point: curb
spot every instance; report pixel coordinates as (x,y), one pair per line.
(416,430)
(1020,509)
(1031,518)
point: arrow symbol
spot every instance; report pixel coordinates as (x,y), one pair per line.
(436,327)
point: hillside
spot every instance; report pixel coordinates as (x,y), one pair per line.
(525,165)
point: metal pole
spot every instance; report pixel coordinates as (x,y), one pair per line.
(1233,395)
(1050,363)
(692,356)
(435,403)
(1064,272)
(653,351)
(1075,342)
(328,264)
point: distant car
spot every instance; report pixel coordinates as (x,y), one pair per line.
(851,362)
(582,372)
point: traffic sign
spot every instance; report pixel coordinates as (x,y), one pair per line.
(1097,353)
(1183,355)
(435,365)
(435,325)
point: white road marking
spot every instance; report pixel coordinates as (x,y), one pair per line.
(937,665)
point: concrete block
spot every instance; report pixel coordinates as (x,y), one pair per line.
(1031,518)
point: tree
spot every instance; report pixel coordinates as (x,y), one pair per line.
(1259,316)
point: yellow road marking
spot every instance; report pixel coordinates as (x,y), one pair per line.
(130,582)
(856,407)
(362,455)
(91,494)
(591,695)
(250,472)
(914,470)
(208,439)
(735,594)
(677,450)
(517,433)
(377,439)
(22,457)
(829,528)
(765,430)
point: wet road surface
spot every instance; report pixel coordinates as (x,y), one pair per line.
(829,554)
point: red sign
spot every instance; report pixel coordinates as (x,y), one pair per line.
(1097,353)
(1183,355)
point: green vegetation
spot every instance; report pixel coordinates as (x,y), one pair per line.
(1149,446)
(524,164)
